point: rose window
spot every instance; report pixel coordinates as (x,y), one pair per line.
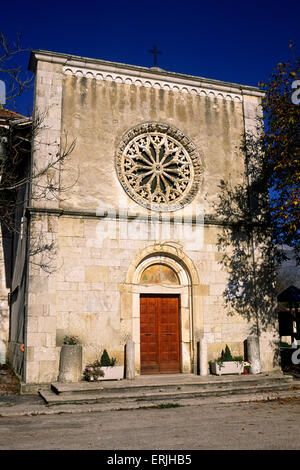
(159,167)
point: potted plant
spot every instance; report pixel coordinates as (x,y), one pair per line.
(109,367)
(227,364)
(247,366)
(103,369)
(93,371)
(70,364)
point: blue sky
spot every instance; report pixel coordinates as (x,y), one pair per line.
(235,41)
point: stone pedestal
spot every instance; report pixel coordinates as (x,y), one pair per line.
(130,355)
(202,353)
(254,354)
(70,365)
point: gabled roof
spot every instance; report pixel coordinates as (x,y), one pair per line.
(136,73)
(8,114)
(291,294)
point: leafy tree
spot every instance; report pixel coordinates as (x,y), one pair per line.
(261,213)
(281,158)
(246,243)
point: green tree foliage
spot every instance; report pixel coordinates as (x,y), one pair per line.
(255,225)
(106,361)
(246,244)
(281,163)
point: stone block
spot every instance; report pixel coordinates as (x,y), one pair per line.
(44,354)
(46,324)
(32,372)
(218,257)
(97,274)
(74,274)
(30,353)
(32,323)
(99,301)
(202,290)
(126,304)
(211,235)
(69,301)
(48,371)
(71,227)
(36,339)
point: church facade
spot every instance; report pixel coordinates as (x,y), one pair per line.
(134,235)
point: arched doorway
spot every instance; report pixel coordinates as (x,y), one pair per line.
(158,309)
(159,322)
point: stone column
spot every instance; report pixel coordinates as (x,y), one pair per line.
(254,354)
(130,355)
(202,348)
(2,352)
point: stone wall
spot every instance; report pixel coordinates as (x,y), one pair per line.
(98,113)
(99,230)
(4,310)
(83,297)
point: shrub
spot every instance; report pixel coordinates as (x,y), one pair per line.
(106,361)
(226,356)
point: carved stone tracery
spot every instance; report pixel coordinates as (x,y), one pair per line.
(158,166)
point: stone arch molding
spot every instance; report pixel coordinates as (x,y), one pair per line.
(167,254)
(173,256)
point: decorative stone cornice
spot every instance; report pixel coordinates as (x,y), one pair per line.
(116,214)
(144,77)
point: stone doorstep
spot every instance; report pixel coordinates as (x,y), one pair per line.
(93,393)
(176,382)
(100,396)
(151,380)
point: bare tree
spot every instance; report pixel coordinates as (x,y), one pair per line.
(16,79)
(21,180)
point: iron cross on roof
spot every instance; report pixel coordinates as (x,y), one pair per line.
(154,51)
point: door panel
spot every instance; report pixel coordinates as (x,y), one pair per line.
(149,327)
(160,340)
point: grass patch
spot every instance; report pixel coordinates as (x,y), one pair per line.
(168,405)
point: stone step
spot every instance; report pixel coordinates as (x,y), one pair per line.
(101,396)
(125,386)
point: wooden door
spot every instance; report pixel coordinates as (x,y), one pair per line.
(160,339)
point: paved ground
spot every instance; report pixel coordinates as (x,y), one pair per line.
(232,426)
(227,423)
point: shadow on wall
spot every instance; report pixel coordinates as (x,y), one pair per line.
(248,252)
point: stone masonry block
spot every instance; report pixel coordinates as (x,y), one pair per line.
(97,274)
(71,227)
